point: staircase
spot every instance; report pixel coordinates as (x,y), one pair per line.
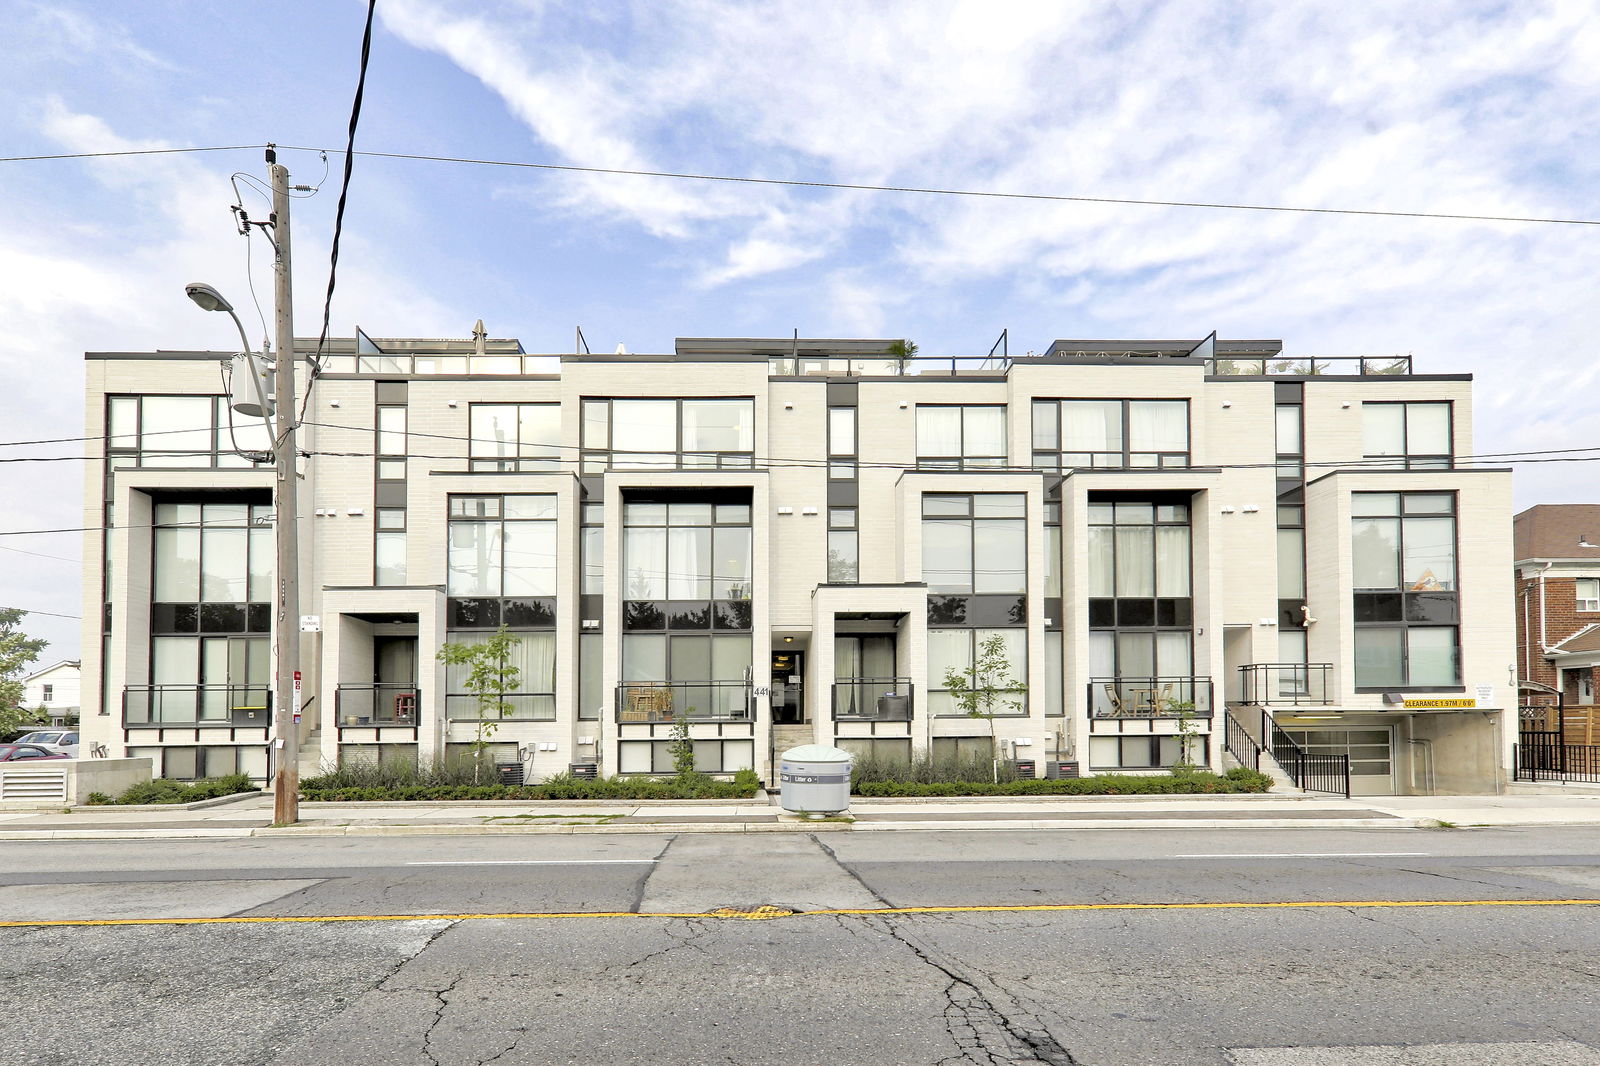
(309,759)
(785,737)
(1243,746)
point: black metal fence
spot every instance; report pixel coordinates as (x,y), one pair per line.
(1540,755)
(1291,683)
(1238,742)
(1312,772)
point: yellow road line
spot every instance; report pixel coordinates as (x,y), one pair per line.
(770,913)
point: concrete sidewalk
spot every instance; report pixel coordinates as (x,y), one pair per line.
(251,816)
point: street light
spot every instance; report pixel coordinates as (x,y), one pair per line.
(244,366)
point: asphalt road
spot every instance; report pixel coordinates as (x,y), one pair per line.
(1474,978)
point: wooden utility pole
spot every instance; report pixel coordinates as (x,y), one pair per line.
(286,702)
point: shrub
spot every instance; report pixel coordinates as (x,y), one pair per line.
(165,790)
(556,787)
(923,768)
(1186,783)
(444,771)
(98,799)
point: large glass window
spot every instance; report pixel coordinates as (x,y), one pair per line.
(667,434)
(502,546)
(975,543)
(956,649)
(1416,434)
(181,431)
(961,437)
(1406,601)
(686,550)
(1085,434)
(1140,606)
(841,443)
(1587,592)
(516,436)
(534,694)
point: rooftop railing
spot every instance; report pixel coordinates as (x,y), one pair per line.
(1311,366)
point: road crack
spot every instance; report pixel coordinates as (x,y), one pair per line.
(985,1035)
(849,872)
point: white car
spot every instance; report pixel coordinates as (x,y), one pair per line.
(64,741)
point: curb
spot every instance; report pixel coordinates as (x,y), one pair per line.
(657,828)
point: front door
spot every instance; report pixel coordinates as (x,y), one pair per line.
(788,687)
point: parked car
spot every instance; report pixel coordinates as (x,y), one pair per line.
(24,752)
(64,741)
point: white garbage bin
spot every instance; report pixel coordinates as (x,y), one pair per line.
(814,777)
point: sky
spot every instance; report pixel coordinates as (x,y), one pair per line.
(1456,107)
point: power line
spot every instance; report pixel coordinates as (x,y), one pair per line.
(849,186)
(126,152)
(40,555)
(47,614)
(979,193)
(344,192)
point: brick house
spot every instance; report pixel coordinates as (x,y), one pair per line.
(1557,548)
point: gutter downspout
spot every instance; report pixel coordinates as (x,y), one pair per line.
(1543,647)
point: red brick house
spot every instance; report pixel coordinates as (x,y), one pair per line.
(1557,549)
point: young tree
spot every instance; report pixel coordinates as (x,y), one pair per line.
(987,688)
(17,650)
(490,675)
(902,350)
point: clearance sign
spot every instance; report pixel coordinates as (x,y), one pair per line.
(1450,703)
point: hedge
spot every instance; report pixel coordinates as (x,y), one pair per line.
(165,790)
(558,787)
(1239,779)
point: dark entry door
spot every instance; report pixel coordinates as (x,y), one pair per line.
(788,687)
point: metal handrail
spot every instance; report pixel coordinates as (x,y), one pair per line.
(1170,696)
(1312,772)
(1238,742)
(1286,683)
(198,705)
(1307,366)
(671,701)
(873,699)
(384,703)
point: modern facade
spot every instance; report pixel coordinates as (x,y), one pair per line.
(791,541)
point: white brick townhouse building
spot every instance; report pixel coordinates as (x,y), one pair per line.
(787,541)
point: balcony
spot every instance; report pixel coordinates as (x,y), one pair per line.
(1149,697)
(519,707)
(1292,684)
(693,701)
(873,699)
(1279,366)
(369,705)
(202,706)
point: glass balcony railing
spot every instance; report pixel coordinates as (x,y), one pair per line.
(197,705)
(695,701)
(1149,697)
(386,704)
(873,699)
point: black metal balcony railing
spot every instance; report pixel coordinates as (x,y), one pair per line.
(671,701)
(1290,683)
(197,705)
(1149,697)
(386,704)
(519,707)
(873,699)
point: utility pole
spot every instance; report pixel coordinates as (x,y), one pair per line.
(286,701)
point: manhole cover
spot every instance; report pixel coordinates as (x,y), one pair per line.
(766,910)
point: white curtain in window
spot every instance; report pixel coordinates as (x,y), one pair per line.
(530,554)
(644,563)
(1102,561)
(938,431)
(474,559)
(1135,561)
(1427,428)
(1429,559)
(1091,426)
(1384,428)
(1158,425)
(1172,561)
(177,578)
(225,570)
(985,431)
(494,430)
(176,424)
(644,425)
(1376,544)
(689,563)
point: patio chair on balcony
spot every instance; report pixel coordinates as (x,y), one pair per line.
(649,702)
(1114,698)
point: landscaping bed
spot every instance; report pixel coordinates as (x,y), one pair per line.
(1183,783)
(353,785)
(161,790)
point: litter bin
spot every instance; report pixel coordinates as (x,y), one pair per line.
(814,777)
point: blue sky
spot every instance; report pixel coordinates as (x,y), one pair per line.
(1456,107)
